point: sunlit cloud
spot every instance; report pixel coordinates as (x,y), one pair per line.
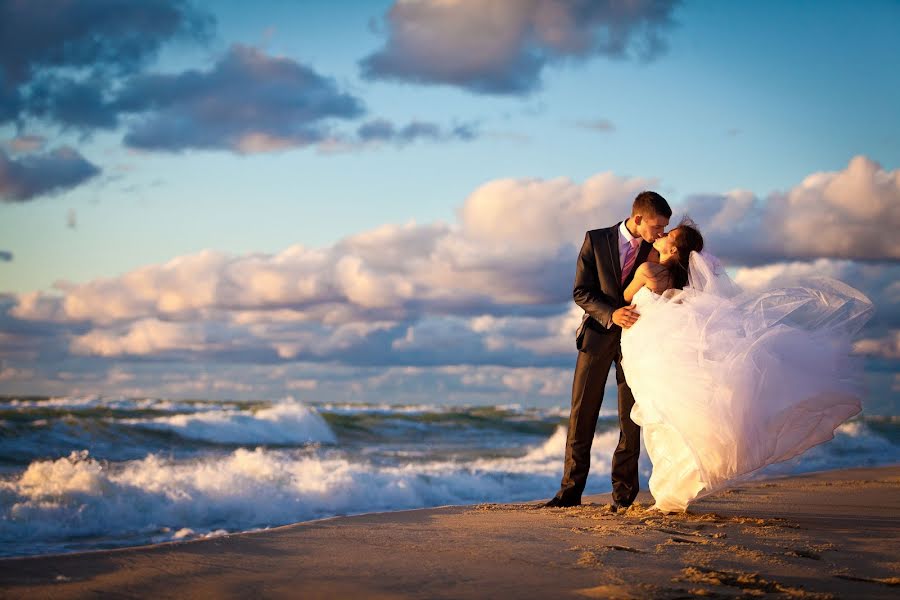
(887,346)
(502,47)
(490,290)
(853,214)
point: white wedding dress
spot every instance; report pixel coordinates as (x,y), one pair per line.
(726,382)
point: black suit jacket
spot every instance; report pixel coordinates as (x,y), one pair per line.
(599,289)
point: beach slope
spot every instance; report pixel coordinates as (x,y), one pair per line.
(824,535)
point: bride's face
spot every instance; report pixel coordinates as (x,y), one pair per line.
(666,246)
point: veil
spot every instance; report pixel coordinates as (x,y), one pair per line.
(820,304)
(706,274)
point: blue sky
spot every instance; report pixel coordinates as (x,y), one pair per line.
(739,100)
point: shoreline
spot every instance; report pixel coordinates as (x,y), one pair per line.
(815,535)
(597,498)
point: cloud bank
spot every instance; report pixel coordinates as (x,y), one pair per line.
(502,47)
(853,213)
(486,296)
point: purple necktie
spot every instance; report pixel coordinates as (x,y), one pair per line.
(630,257)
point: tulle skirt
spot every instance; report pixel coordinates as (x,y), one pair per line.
(727,384)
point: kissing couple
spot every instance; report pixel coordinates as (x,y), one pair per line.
(722,381)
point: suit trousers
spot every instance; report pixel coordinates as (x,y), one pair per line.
(591,372)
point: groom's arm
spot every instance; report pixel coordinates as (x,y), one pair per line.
(587,291)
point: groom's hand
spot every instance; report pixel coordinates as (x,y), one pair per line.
(625,317)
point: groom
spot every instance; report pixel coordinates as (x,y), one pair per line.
(606,265)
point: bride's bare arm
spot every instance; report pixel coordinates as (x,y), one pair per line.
(637,282)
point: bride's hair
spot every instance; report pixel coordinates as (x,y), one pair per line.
(687,239)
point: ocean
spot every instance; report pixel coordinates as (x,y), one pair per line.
(87,473)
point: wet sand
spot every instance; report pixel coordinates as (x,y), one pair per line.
(825,535)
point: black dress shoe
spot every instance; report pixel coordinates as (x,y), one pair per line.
(560,503)
(616,507)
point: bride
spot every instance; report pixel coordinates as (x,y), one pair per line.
(727,381)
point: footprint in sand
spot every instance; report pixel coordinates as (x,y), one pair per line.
(751,583)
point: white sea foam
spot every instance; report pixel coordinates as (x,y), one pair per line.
(288,422)
(157,498)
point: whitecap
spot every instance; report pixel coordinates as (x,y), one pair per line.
(289,422)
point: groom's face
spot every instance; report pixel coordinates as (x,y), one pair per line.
(650,227)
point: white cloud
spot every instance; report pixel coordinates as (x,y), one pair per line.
(534,215)
(545,382)
(514,245)
(491,290)
(501,47)
(887,346)
(144,337)
(853,213)
(552,335)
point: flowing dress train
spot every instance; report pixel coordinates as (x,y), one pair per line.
(727,381)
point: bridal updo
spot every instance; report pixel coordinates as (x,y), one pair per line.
(687,238)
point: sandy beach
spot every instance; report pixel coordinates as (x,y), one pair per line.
(825,535)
